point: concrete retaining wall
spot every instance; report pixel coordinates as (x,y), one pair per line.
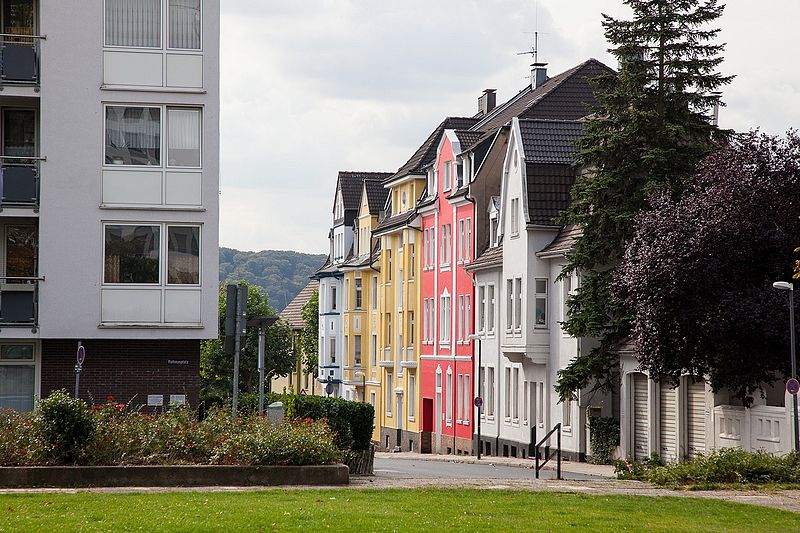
(172,476)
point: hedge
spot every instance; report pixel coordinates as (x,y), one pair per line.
(351,422)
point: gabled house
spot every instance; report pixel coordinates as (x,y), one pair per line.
(298,381)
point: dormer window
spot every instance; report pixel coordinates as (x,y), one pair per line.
(404,200)
(447,178)
(338,210)
(459,175)
(493,227)
(431,183)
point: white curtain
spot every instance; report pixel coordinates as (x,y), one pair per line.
(135,23)
(17,385)
(184,137)
(133,135)
(184,24)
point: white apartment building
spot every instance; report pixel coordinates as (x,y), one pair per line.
(109,213)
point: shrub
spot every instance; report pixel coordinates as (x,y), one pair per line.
(65,425)
(723,466)
(19,442)
(351,422)
(604,438)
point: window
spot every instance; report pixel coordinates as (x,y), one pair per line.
(567,414)
(540,406)
(425,321)
(468,241)
(333,298)
(373,350)
(541,302)
(410,329)
(388,330)
(507,410)
(21,251)
(493,233)
(134,133)
(467,317)
(570,283)
(459,397)
(357,350)
(448,176)
(444,316)
(509,304)
(515,216)
(459,174)
(388,265)
(460,319)
(467,399)
(525,402)
(333,350)
(490,392)
(132,254)
(515,398)
(137,24)
(445,251)
(346,295)
(425,243)
(19,132)
(17,377)
(357,283)
(183,255)
(388,394)
(518,309)
(482,388)
(433,248)
(412,396)
(374,294)
(491,305)
(412,259)
(346,351)
(372,399)
(449,395)
(461,241)
(481,308)
(431,183)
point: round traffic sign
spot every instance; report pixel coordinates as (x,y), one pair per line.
(81,355)
(478,401)
(793,386)
(329,389)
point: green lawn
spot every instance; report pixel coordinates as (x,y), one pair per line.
(380,510)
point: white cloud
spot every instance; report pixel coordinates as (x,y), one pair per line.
(310,88)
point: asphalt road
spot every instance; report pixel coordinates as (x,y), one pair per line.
(411,469)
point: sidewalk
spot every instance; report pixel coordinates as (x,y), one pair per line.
(603,471)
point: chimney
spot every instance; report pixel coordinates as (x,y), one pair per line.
(487,101)
(538,75)
(715,111)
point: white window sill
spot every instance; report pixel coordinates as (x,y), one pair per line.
(145,89)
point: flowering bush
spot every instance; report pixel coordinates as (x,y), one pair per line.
(122,436)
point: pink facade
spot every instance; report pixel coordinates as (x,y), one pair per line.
(447,294)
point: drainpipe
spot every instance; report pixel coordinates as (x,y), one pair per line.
(473,249)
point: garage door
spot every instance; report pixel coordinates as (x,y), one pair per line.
(640,419)
(668,422)
(695,418)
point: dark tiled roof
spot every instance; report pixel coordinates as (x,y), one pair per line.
(326,270)
(427,152)
(563,243)
(395,221)
(566,96)
(293,313)
(550,141)
(351,182)
(376,195)
(492,256)
(467,137)
(548,192)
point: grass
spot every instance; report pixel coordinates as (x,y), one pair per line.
(379,510)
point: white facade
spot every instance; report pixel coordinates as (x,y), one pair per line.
(124,142)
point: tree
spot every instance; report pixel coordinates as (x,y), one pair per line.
(309,337)
(216,366)
(648,131)
(698,273)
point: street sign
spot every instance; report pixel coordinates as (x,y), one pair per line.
(329,389)
(478,401)
(303,392)
(81,355)
(793,386)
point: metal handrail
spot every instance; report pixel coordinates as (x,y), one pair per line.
(547,454)
(22,278)
(4,35)
(21,158)
(35,279)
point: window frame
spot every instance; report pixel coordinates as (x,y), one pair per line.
(163,34)
(35,362)
(514,223)
(541,296)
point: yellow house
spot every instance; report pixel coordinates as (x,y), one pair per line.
(361,303)
(299,380)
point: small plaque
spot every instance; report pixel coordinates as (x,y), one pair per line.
(155,400)
(177,399)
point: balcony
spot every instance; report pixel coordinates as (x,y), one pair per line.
(19,58)
(19,302)
(19,182)
(353,375)
(330,374)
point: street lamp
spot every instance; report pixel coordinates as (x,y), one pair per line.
(479,403)
(785,286)
(262,323)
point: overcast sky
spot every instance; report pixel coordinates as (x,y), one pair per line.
(310,88)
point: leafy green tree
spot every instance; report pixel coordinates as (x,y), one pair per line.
(309,337)
(216,366)
(650,129)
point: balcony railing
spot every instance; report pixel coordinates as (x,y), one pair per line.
(19,302)
(19,59)
(19,181)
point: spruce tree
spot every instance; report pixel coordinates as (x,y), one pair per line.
(648,132)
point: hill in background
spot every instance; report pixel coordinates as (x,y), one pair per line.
(282,274)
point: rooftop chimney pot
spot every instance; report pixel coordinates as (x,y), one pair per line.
(487,101)
(538,75)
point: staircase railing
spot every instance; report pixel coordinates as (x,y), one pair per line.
(547,455)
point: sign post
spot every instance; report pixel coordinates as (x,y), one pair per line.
(240,331)
(81,357)
(262,323)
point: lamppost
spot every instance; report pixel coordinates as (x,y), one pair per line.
(262,323)
(479,399)
(785,286)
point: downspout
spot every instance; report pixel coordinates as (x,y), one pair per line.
(475,303)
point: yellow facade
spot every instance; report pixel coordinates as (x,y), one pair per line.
(398,407)
(360,316)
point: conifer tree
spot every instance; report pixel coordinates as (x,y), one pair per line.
(651,127)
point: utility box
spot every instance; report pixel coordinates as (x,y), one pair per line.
(275,413)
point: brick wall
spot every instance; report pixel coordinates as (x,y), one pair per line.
(128,370)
